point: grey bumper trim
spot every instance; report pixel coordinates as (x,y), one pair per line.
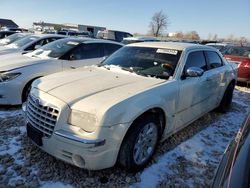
(89,143)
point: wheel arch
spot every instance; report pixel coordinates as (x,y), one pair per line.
(158,111)
(27,86)
(155,111)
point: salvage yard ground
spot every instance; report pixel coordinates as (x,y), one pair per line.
(189,158)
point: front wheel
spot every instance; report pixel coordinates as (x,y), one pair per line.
(226,101)
(26,93)
(139,144)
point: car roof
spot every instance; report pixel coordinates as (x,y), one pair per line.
(89,40)
(140,38)
(48,35)
(217,44)
(171,45)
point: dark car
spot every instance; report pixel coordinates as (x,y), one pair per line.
(75,33)
(234,168)
(241,56)
(113,35)
(4,34)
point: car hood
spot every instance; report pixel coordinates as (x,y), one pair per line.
(5,50)
(82,83)
(16,60)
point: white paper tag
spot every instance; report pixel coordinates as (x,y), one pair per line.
(167,51)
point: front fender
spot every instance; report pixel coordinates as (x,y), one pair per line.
(126,111)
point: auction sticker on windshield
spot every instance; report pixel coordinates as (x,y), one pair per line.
(167,51)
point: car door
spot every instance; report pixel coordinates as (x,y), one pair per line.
(195,92)
(85,54)
(217,72)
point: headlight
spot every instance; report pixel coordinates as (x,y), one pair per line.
(7,76)
(84,120)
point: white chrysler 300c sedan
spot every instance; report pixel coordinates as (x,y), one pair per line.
(18,71)
(96,116)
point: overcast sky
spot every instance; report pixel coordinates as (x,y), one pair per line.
(222,17)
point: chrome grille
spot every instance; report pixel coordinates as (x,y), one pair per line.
(41,117)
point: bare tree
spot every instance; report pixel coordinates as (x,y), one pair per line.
(242,40)
(215,37)
(179,35)
(193,35)
(158,23)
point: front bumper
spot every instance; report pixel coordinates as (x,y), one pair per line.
(91,154)
(93,151)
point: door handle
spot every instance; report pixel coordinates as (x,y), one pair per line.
(73,67)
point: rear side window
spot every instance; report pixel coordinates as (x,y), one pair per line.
(88,51)
(196,59)
(110,48)
(213,59)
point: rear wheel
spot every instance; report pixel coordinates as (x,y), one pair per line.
(226,101)
(139,144)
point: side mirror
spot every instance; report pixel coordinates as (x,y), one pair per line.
(194,72)
(37,46)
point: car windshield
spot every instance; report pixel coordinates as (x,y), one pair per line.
(54,49)
(12,38)
(154,62)
(237,51)
(20,43)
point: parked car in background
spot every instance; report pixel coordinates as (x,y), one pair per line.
(130,40)
(12,38)
(234,168)
(241,56)
(75,33)
(4,34)
(29,43)
(17,71)
(117,36)
(219,46)
(118,111)
(16,29)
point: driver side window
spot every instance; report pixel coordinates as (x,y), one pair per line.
(196,59)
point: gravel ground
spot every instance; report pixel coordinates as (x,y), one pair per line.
(188,159)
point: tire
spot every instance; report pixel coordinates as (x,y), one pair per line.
(26,92)
(226,100)
(142,138)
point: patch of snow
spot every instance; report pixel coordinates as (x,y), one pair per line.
(201,148)
(11,113)
(55,184)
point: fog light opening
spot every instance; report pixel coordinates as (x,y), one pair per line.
(78,161)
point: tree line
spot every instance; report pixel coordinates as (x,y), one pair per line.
(160,22)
